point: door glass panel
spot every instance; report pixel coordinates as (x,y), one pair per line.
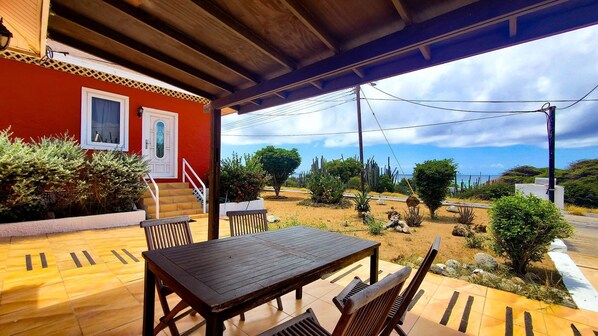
(159,139)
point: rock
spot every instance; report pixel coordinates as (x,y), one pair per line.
(509,286)
(380,202)
(389,225)
(518,281)
(489,277)
(406,229)
(479,228)
(273,219)
(437,268)
(449,272)
(486,261)
(460,230)
(392,212)
(412,201)
(452,263)
(452,208)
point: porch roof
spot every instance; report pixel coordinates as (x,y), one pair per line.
(252,54)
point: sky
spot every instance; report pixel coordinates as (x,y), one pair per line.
(559,70)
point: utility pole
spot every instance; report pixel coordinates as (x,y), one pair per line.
(551,136)
(358,98)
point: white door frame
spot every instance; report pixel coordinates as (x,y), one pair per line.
(147,112)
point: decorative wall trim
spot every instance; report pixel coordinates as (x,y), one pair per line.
(99,75)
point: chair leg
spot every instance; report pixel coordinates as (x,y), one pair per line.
(279,302)
(399,330)
(166,309)
(242,316)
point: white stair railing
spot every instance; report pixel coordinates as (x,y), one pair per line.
(154,193)
(200,193)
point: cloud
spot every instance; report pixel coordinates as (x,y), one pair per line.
(552,69)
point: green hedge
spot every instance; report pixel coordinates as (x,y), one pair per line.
(54,177)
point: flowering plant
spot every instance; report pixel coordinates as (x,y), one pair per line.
(241,182)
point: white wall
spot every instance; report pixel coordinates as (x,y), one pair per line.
(541,191)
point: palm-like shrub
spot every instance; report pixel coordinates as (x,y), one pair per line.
(523,228)
(325,188)
(362,202)
(412,217)
(466,215)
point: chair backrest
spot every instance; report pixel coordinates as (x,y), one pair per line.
(167,232)
(413,286)
(364,314)
(247,222)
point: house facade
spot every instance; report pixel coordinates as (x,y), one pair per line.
(105,112)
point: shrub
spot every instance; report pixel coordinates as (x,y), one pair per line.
(375,227)
(241,182)
(325,188)
(523,228)
(466,215)
(412,217)
(354,183)
(362,202)
(473,241)
(53,177)
(432,179)
(344,169)
(403,186)
(385,184)
(489,191)
(114,179)
(582,192)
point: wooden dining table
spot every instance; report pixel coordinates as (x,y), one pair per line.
(224,277)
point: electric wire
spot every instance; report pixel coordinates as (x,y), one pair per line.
(387,142)
(580,99)
(453,109)
(484,101)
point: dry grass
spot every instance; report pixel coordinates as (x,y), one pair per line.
(579,211)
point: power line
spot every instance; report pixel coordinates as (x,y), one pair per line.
(385,129)
(580,99)
(453,109)
(485,101)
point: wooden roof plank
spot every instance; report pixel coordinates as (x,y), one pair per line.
(301,13)
(403,12)
(110,33)
(245,33)
(156,24)
(476,16)
(75,43)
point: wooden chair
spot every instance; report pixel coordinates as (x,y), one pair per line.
(248,222)
(363,314)
(163,233)
(397,314)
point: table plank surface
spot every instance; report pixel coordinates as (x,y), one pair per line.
(241,272)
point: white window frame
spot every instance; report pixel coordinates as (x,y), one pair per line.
(86,95)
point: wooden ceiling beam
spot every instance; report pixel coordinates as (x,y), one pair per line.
(513,26)
(100,52)
(113,35)
(317,83)
(245,33)
(359,72)
(301,13)
(425,50)
(403,12)
(488,13)
(158,25)
(282,95)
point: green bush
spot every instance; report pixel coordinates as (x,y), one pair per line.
(488,192)
(523,228)
(582,192)
(375,227)
(241,182)
(354,183)
(432,179)
(325,188)
(344,169)
(53,177)
(114,180)
(279,163)
(385,184)
(403,186)
(362,202)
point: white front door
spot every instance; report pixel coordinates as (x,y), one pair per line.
(160,142)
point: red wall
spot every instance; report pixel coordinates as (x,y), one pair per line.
(36,101)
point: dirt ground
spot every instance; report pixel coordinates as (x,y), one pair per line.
(394,244)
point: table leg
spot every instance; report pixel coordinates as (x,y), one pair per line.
(214,326)
(149,296)
(374,266)
(299,293)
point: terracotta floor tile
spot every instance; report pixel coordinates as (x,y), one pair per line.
(293,306)
(326,313)
(319,288)
(67,326)
(27,319)
(95,322)
(574,315)
(425,327)
(560,326)
(259,319)
(513,300)
(32,298)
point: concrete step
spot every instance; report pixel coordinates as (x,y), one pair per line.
(175,206)
(171,199)
(170,192)
(175,213)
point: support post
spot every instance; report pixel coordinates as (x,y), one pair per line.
(214,175)
(358,98)
(551,140)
